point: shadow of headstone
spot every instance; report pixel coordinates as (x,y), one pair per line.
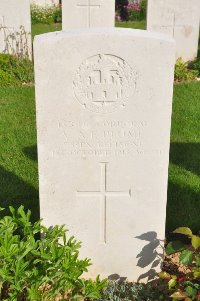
(15,192)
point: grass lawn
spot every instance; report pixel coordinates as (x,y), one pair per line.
(132,24)
(18,156)
(183,207)
(44,28)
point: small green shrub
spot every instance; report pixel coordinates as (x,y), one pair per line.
(37,269)
(183,73)
(144,9)
(7,79)
(15,70)
(196,65)
(46,14)
(57,14)
(185,287)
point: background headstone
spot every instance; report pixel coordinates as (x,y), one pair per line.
(180,19)
(88,13)
(15,27)
(104,99)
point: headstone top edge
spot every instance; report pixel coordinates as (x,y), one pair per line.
(104,31)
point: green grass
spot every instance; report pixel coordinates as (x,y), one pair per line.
(18,156)
(183,207)
(18,159)
(132,24)
(44,28)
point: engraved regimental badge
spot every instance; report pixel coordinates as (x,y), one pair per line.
(103,83)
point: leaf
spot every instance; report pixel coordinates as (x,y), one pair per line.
(174,247)
(196,274)
(186,257)
(172,283)
(164,275)
(191,292)
(179,295)
(195,242)
(184,230)
(197,261)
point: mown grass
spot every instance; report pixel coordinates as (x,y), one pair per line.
(132,24)
(18,156)
(183,207)
(44,28)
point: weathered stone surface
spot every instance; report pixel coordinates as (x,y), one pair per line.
(180,19)
(104,99)
(15,27)
(88,13)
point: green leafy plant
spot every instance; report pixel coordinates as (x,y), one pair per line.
(15,70)
(185,287)
(57,16)
(183,73)
(196,65)
(41,269)
(144,9)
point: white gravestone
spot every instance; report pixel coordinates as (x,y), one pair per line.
(15,27)
(180,19)
(45,2)
(104,99)
(88,13)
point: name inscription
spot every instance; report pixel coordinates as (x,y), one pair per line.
(107,138)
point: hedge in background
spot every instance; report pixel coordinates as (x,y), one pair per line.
(46,14)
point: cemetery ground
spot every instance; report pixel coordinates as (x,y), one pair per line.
(19,171)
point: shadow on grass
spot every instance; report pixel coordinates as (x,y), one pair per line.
(183,207)
(186,155)
(31,152)
(15,192)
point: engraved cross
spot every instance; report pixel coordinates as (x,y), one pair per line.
(103,194)
(174,25)
(88,6)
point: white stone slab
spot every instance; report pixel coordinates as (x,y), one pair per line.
(88,13)
(104,100)
(180,19)
(45,2)
(15,27)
